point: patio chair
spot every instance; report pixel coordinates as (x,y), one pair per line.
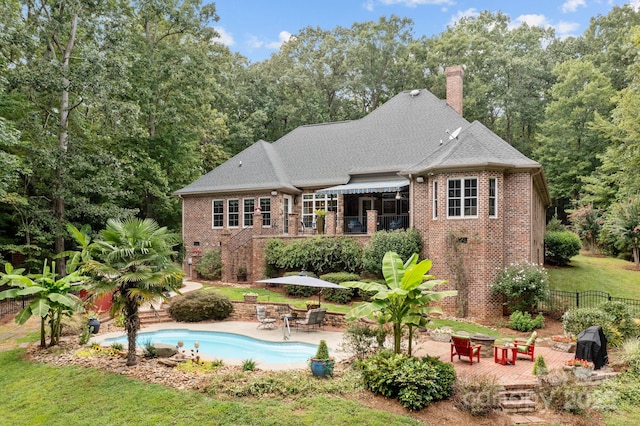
(526,347)
(313,319)
(265,320)
(462,346)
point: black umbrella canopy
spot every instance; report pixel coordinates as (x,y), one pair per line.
(303,280)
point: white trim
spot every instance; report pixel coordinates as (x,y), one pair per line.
(229,211)
(244,213)
(264,211)
(495,199)
(434,200)
(462,197)
(213,214)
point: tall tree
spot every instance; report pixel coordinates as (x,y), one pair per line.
(568,143)
(134,261)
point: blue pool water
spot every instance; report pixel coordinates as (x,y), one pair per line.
(227,345)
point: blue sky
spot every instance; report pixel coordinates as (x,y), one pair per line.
(257,28)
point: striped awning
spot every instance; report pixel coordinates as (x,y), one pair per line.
(367,187)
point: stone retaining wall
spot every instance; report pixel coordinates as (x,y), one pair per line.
(246,311)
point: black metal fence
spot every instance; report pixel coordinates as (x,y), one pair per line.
(10,306)
(562,301)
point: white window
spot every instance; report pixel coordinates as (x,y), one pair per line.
(233,213)
(217,214)
(313,202)
(265,206)
(493,197)
(435,199)
(462,197)
(248,206)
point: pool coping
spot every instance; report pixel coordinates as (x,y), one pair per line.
(248,329)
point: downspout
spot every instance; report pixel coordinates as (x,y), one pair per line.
(412,199)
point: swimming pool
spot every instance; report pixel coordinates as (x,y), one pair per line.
(227,345)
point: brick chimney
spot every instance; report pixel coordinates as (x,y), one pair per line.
(454,87)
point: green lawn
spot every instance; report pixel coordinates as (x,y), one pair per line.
(597,273)
(266,295)
(40,394)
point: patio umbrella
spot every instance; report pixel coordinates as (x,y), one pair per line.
(303,280)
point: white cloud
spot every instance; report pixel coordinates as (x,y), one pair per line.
(283,37)
(532,21)
(415,3)
(572,5)
(254,43)
(564,29)
(225,37)
(469,13)
(369,5)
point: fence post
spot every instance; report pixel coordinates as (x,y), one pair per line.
(577,299)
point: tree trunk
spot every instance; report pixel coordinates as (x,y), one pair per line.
(132,322)
(63,140)
(397,335)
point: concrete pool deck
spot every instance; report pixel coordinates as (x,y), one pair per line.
(249,329)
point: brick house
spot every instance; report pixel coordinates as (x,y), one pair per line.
(414,162)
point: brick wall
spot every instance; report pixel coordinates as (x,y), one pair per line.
(467,252)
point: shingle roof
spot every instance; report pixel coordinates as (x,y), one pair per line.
(402,136)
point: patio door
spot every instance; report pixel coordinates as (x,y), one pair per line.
(286,209)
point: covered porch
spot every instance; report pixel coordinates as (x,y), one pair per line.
(358,200)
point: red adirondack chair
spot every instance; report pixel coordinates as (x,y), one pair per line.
(462,346)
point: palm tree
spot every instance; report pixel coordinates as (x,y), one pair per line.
(133,260)
(405,296)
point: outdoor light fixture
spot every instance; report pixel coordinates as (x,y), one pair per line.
(274,192)
(419,179)
(398,196)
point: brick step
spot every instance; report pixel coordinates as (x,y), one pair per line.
(154,317)
(520,406)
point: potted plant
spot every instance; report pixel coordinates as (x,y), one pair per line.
(320,214)
(242,273)
(322,364)
(310,304)
(250,297)
(93,323)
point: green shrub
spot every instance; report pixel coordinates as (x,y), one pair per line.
(477,394)
(200,306)
(555,225)
(339,295)
(248,365)
(320,254)
(561,246)
(405,243)
(539,366)
(618,393)
(630,354)
(210,266)
(522,285)
(522,321)
(577,320)
(622,318)
(359,338)
(563,393)
(150,351)
(414,382)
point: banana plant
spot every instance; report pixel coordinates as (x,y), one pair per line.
(53,297)
(405,297)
